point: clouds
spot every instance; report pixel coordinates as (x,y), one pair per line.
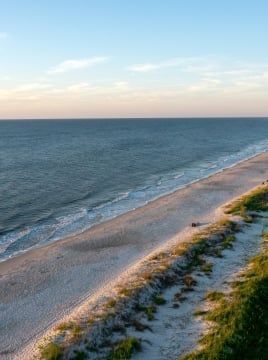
(149,67)
(44,90)
(206,75)
(184,84)
(74,64)
(210,67)
(203,75)
(186,64)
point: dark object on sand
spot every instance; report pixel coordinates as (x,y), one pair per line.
(194,224)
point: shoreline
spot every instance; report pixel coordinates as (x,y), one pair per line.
(47,242)
(75,268)
(154,306)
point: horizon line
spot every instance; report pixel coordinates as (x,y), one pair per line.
(137,118)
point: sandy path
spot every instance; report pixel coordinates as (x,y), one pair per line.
(43,285)
(175,331)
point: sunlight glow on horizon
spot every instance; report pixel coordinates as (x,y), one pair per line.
(133,60)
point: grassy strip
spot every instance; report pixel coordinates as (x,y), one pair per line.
(241,319)
(257,200)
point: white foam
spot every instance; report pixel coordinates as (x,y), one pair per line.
(156,186)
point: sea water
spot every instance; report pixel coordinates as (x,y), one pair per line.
(60,177)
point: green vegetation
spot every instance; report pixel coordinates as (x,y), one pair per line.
(126,292)
(159,256)
(256,201)
(111,303)
(265,237)
(207,267)
(241,319)
(64,326)
(51,352)
(241,324)
(189,281)
(148,310)
(125,349)
(76,332)
(193,251)
(228,242)
(214,296)
(199,312)
(227,224)
(159,300)
(74,329)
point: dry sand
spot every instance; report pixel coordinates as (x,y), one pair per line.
(43,285)
(175,332)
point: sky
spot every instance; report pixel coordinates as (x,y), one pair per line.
(133,58)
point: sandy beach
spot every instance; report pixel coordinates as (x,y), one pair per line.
(44,285)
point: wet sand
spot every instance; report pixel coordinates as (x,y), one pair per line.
(43,285)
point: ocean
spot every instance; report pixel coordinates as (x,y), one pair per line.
(60,177)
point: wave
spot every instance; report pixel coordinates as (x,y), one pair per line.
(71,224)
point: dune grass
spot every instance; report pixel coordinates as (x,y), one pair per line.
(214,296)
(255,201)
(216,238)
(51,352)
(241,320)
(125,349)
(194,252)
(241,317)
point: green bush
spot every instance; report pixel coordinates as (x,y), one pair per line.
(51,352)
(125,349)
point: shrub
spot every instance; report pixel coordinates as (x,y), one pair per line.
(51,352)
(159,300)
(214,296)
(125,349)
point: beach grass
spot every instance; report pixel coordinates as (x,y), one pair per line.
(125,349)
(199,312)
(257,200)
(158,273)
(51,352)
(214,296)
(159,300)
(241,319)
(161,273)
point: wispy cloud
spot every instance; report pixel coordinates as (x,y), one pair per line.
(27,91)
(191,64)
(3,35)
(69,65)
(83,88)
(32,87)
(45,90)
(210,69)
(79,87)
(147,67)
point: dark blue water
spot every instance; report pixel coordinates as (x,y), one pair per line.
(59,177)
